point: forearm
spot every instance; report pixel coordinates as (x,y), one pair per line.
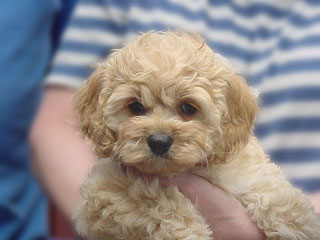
(61,158)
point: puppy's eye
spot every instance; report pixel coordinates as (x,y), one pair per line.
(188,109)
(137,108)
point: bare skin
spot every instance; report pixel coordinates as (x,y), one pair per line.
(61,158)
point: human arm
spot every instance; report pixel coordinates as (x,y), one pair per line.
(60,157)
(61,160)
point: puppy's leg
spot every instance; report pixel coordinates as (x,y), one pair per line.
(117,206)
(281,210)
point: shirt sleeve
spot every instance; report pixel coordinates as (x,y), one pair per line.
(95,28)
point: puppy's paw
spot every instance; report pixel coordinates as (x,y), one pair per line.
(177,219)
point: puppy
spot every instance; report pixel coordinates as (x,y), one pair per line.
(162,106)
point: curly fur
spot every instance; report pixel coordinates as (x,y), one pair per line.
(163,70)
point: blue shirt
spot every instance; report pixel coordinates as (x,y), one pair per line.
(29,31)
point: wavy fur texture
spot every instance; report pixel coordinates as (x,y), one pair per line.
(162,71)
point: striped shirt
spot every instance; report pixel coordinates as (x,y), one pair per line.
(274,44)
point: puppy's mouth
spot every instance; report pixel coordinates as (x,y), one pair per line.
(133,171)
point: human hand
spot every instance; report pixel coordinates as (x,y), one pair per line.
(226,216)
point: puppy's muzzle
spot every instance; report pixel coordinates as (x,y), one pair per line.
(159,143)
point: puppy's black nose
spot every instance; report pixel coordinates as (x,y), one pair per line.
(160,143)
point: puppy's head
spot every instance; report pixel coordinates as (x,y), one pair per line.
(166,103)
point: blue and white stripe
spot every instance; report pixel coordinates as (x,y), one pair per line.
(274,44)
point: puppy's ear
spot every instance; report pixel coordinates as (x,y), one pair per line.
(90,112)
(238,118)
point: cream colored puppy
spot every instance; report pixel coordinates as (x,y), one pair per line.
(162,106)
